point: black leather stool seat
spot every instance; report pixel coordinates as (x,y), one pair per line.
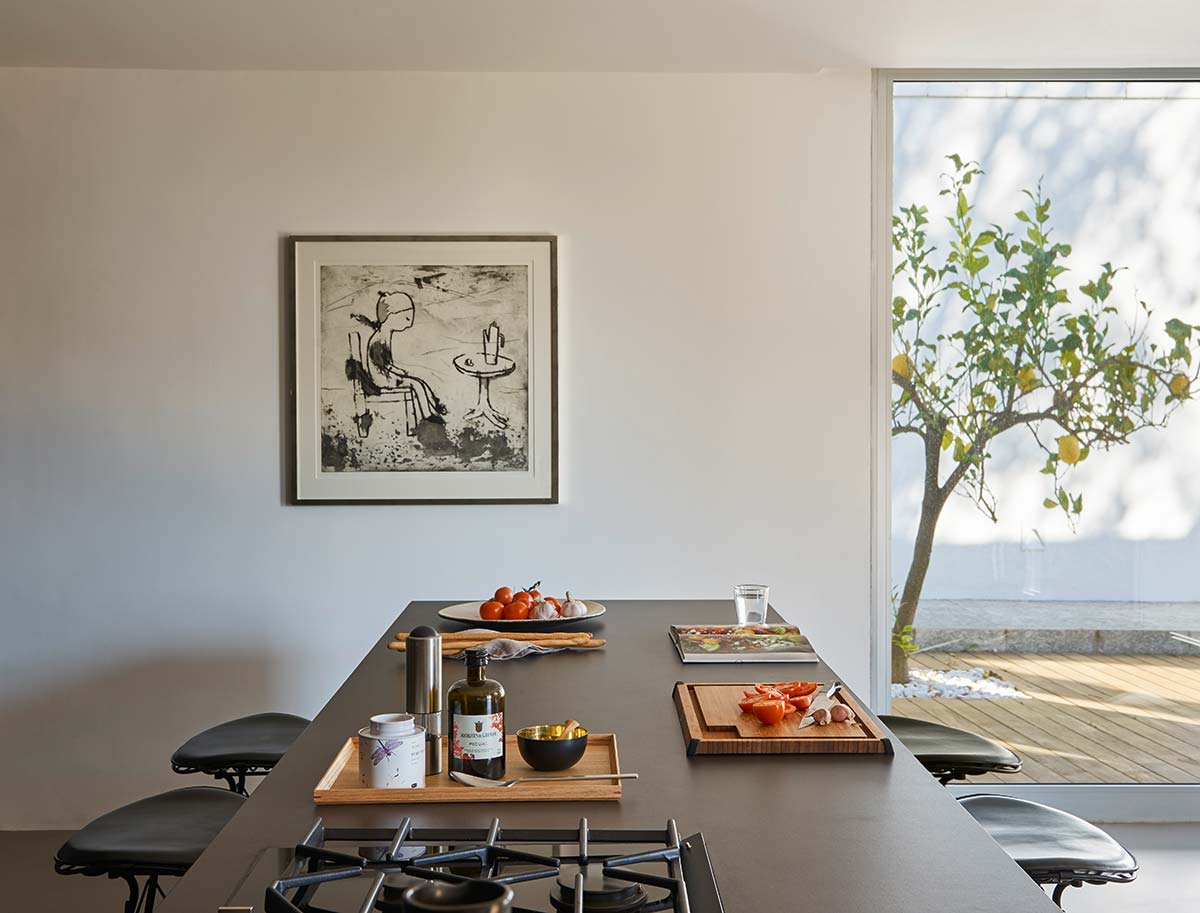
(950,753)
(1052,846)
(251,741)
(164,833)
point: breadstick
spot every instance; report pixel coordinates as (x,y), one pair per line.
(530,636)
(575,640)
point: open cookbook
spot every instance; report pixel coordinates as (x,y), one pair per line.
(764,643)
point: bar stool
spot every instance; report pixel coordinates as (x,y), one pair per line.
(150,838)
(245,747)
(1052,846)
(949,753)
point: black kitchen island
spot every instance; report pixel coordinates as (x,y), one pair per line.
(784,833)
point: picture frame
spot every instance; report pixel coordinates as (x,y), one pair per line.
(425,369)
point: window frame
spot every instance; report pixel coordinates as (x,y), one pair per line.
(1096,802)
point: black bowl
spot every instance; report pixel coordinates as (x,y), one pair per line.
(543,750)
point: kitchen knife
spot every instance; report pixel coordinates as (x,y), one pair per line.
(822,700)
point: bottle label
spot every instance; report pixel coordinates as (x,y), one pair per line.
(478,737)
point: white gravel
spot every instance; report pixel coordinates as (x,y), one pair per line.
(955,683)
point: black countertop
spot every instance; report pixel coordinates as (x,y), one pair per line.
(785,833)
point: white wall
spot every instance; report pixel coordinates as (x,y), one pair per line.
(1119,163)
(714,356)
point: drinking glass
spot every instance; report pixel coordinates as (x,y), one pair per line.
(750,599)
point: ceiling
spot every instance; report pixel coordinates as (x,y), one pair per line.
(600,35)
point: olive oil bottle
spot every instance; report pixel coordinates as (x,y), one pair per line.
(477,720)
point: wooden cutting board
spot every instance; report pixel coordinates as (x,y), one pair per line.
(719,707)
(712,723)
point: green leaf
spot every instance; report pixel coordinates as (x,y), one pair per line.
(1178,330)
(1049,504)
(962,204)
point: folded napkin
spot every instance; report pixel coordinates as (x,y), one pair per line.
(506,648)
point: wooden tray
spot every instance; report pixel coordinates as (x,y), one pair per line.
(713,724)
(339,784)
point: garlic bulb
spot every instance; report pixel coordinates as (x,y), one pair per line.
(544,611)
(573,608)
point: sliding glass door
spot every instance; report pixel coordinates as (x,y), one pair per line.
(1045,421)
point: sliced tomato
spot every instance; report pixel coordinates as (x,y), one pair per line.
(769,712)
(750,700)
(788,708)
(803,702)
(799,689)
(747,703)
(771,692)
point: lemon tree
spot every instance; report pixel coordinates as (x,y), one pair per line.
(1031,354)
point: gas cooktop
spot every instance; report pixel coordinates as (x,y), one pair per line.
(482,870)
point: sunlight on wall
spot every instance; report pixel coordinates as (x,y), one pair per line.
(1121,163)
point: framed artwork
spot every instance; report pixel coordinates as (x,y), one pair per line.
(425,369)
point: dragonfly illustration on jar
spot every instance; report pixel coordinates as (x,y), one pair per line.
(385,750)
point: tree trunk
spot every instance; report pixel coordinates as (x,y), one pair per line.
(931,508)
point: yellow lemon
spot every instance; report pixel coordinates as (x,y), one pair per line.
(1068,449)
(903,366)
(1179,385)
(1027,378)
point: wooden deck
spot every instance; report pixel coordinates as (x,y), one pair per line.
(1091,718)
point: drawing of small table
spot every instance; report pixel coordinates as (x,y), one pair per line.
(473,364)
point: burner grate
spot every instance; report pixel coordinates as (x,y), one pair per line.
(587,880)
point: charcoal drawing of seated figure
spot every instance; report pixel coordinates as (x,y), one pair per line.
(379,374)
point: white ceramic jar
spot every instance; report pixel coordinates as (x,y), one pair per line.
(391,753)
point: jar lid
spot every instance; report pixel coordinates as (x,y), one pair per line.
(392,724)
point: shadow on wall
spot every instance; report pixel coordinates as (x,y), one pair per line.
(106,737)
(1103,568)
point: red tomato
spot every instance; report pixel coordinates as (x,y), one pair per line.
(491,610)
(757,694)
(517,610)
(535,596)
(504,595)
(747,703)
(788,709)
(803,702)
(799,689)
(769,712)
(763,689)
(524,597)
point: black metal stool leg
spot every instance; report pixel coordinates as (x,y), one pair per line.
(134,901)
(1060,889)
(152,890)
(236,783)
